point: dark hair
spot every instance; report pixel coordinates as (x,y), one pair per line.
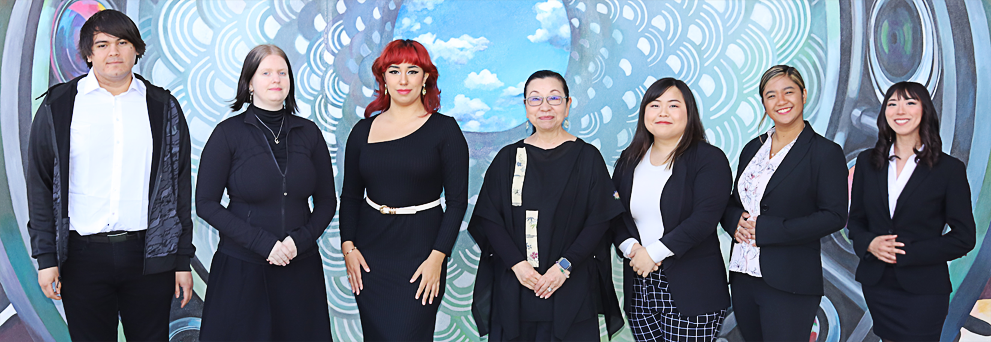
(111,22)
(404,51)
(251,62)
(642,139)
(928,128)
(546,74)
(775,71)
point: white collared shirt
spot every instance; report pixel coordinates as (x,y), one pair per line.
(896,181)
(110,151)
(645,207)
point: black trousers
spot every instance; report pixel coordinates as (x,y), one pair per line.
(764,313)
(104,281)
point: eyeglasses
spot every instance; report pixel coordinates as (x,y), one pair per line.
(536,101)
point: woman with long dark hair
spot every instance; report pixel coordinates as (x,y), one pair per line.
(674,186)
(266,280)
(543,209)
(394,234)
(905,191)
(791,190)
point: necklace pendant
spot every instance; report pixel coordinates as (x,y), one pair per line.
(276,141)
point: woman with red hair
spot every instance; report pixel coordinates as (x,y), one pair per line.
(397,163)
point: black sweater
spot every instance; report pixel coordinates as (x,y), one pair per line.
(266,204)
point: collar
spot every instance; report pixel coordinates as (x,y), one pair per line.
(292,121)
(891,151)
(89,83)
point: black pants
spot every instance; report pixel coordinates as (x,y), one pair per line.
(764,313)
(101,281)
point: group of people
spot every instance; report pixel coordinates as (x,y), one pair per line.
(111,151)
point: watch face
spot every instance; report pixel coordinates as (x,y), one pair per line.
(565,264)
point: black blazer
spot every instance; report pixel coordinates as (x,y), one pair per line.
(805,200)
(934,196)
(691,205)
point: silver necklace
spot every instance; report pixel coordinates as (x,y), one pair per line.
(270,130)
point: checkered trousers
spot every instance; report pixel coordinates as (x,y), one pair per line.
(655,318)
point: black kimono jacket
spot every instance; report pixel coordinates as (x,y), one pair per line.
(578,225)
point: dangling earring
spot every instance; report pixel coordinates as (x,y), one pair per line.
(528,125)
(567,123)
(424,91)
(251,97)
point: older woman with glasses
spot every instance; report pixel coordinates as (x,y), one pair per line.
(545,203)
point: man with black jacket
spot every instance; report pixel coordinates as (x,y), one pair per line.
(110,151)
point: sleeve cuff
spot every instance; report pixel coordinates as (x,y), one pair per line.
(658,251)
(627,247)
(182,264)
(47,260)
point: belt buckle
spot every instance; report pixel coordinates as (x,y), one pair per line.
(385,210)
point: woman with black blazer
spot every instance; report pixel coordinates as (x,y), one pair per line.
(791,190)
(905,191)
(266,280)
(674,187)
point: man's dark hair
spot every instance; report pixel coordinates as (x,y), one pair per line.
(111,22)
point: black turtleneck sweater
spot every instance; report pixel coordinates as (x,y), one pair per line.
(274,122)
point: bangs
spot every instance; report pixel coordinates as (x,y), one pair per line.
(906,91)
(405,53)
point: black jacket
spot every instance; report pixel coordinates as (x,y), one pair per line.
(934,197)
(169,238)
(805,200)
(692,204)
(266,205)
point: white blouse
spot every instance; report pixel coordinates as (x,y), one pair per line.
(645,207)
(896,182)
(745,257)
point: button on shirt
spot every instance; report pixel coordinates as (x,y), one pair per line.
(110,151)
(896,181)
(645,207)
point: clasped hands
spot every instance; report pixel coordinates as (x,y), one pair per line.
(884,247)
(641,261)
(544,285)
(428,272)
(746,230)
(282,252)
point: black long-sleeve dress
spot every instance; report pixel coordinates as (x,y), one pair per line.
(570,189)
(408,171)
(269,186)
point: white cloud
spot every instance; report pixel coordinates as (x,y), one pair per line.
(554,27)
(485,80)
(417,5)
(512,91)
(455,50)
(428,20)
(466,109)
(407,25)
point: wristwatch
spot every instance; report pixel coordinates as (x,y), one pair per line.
(564,264)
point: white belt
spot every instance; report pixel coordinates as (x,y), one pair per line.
(404,210)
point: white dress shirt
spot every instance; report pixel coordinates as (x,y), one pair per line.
(896,181)
(645,207)
(745,257)
(110,151)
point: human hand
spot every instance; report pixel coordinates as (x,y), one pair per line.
(429,274)
(642,263)
(354,262)
(279,254)
(884,247)
(525,273)
(290,245)
(633,250)
(184,281)
(551,281)
(46,278)
(746,230)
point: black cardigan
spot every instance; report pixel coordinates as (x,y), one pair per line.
(805,200)
(265,205)
(934,196)
(692,204)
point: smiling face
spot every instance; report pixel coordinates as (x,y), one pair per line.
(903,115)
(405,83)
(783,100)
(270,84)
(553,105)
(666,116)
(112,57)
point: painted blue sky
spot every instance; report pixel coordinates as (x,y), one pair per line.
(484,51)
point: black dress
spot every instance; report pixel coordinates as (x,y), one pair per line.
(269,186)
(408,171)
(570,188)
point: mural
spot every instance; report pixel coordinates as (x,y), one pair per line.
(609,51)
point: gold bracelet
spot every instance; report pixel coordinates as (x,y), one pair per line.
(352,250)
